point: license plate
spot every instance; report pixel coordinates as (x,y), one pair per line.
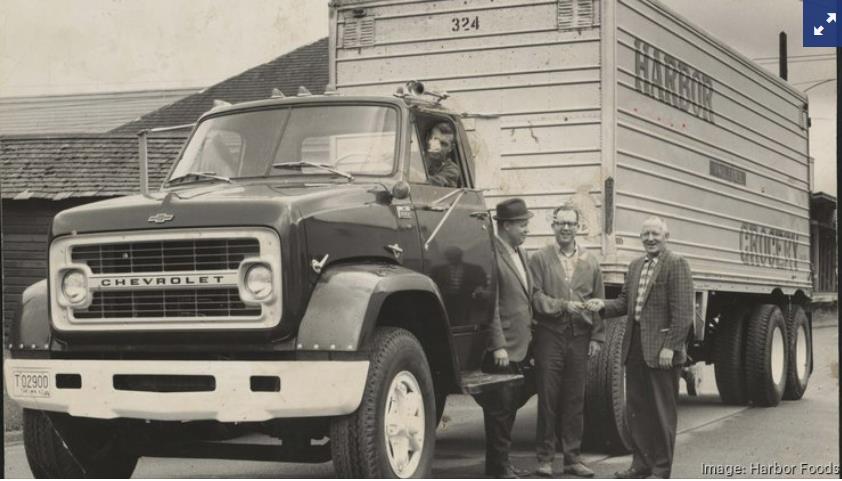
(31,383)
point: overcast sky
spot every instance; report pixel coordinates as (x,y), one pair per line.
(57,47)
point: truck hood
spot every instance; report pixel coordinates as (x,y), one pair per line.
(214,205)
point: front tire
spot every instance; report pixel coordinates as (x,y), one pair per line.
(392,433)
(800,353)
(766,355)
(61,446)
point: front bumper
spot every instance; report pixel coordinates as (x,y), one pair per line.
(307,388)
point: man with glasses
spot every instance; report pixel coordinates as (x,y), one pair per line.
(565,275)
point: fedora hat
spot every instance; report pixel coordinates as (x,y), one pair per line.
(512,209)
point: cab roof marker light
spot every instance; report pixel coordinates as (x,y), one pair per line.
(277,94)
(303,92)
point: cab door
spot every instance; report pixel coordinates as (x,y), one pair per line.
(455,231)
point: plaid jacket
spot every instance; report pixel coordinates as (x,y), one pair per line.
(667,315)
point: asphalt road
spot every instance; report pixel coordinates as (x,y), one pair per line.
(778,439)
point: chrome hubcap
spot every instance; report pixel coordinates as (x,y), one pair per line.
(404,425)
(801,356)
(778,356)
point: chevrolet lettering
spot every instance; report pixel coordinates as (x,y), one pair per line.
(130,282)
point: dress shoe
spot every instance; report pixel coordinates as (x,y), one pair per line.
(578,469)
(507,471)
(633,473)
(544,469)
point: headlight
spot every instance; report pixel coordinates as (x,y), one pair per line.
(74,286)
(259,281)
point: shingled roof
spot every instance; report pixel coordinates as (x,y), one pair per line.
(100,165)
(307,66)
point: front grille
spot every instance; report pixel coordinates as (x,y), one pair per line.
(165,256)
(169,303)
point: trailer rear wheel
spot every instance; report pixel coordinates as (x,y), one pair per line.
(605,397)
(800,353)
(61,446)
(391,435)
(729,366)
(766,355)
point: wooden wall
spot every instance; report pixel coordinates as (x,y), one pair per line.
(25,227)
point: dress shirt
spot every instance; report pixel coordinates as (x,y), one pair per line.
(568,261)
(645,275)
(515,256)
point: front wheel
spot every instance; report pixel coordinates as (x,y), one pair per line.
(61,446)
(392,433)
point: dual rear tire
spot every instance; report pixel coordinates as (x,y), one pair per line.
(763,355)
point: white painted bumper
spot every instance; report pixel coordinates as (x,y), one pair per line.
(307,388)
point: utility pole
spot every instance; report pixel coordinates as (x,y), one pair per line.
(782,67)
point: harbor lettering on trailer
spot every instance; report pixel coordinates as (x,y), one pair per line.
(671,81)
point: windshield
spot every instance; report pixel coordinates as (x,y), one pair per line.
(352,139)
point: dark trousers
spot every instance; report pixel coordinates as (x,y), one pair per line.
(561,371)
(651,399)
(499,409)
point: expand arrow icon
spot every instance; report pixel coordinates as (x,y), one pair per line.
(831,17)
(818,30)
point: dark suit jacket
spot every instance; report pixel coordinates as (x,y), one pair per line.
(667,314)
(551,292)
(511,326)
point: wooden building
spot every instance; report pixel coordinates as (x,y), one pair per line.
(823,247)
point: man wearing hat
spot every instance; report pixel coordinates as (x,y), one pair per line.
(511,333)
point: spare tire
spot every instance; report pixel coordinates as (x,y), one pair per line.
(606,429)
(766,355)
(800,364)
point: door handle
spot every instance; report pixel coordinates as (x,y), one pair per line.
(480,215)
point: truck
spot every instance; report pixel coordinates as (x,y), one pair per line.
(297,276)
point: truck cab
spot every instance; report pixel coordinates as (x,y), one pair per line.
(299,274)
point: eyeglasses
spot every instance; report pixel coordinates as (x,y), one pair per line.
(565,224)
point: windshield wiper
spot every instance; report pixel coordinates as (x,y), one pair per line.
(200,175)
(303,163)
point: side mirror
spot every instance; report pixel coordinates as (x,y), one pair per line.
(400,190)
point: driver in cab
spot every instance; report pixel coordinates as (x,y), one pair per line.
(441,168)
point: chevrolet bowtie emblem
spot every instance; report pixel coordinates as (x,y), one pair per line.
(160,218)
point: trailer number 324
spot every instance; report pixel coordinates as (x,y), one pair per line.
(464,24)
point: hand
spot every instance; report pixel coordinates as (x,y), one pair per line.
(593,348)
(595,305)
(501,357)
(575,307)
(665,358)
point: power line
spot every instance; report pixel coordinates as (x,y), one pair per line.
(806,55)
(798,60)
(820,83)
(812,81)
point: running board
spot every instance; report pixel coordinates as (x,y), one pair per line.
(476,382)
